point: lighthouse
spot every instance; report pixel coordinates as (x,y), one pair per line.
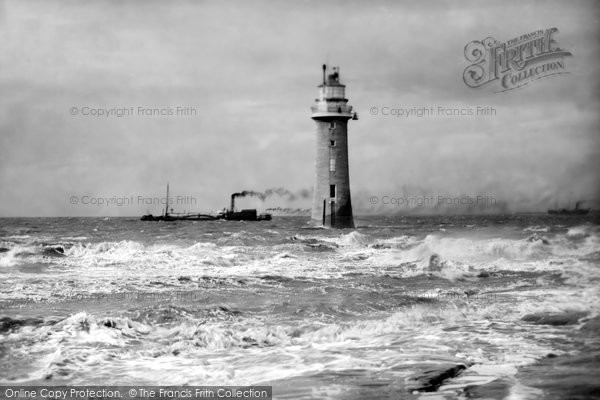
(331,199)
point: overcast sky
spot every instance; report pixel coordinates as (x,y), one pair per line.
(250,69)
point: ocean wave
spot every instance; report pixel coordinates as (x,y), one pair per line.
(8,258)
(464,249)
(581,231)
(206,339)
(312,256)
(176,324)
(72,346)
(536,228)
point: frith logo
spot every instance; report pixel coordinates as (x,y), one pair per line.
(516,62)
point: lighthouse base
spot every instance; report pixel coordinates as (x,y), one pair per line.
(332,215)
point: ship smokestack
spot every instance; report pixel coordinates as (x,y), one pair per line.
(233,201)
(324,70)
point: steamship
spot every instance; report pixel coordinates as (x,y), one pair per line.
(566,211)
(229,215)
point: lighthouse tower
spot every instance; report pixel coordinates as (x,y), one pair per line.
(331,112)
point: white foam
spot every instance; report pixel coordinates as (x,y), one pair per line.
(536,228)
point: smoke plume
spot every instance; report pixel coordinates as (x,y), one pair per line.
(284,193)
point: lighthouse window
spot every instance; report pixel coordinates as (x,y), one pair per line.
(332,143)
(334,92)
(332,191)
(332,164)
(332,125)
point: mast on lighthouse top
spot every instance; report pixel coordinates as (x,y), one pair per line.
(332,102)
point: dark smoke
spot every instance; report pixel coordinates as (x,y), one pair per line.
(251,193)
(288,211)
(284,193)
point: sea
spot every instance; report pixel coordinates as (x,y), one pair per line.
(401,307)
